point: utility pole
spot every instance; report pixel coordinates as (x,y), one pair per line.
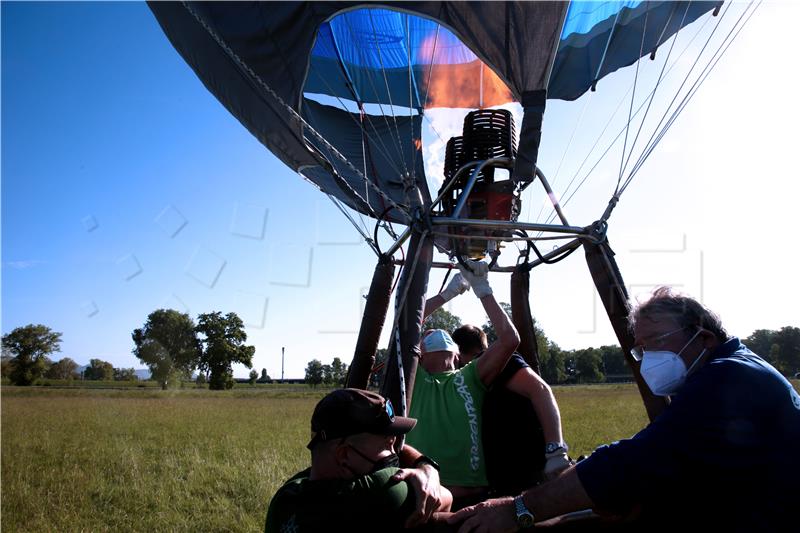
(283,348)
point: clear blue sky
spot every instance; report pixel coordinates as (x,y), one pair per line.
(127,187)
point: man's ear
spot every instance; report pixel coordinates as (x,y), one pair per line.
(340,454)
(709,340)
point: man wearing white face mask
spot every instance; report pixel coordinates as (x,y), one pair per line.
(722,456)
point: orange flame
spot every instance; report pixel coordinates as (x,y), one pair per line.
(467,85)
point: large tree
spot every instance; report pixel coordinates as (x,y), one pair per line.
(223,344)
(168,345)
(66,368)
(30,345)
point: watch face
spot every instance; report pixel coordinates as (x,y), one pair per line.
(551,447)
(524,516)
(525,520)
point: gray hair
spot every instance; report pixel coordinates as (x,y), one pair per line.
(684,310)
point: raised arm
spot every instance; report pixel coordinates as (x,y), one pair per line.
(458,285)
(494,359)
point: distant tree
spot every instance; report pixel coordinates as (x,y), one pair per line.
(327,374)
(488,328)
(780,348)
(265,377)
(66,368)
(588,366)
(761,342)
(125,374)
(253,376)
(201,379)
(613,361)
(168,345)
(442,319)
(314,373)
(99,370)
(338,372)
(788,338)
(553,365)
(223,342)
(30,345)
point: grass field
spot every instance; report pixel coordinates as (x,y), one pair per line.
(194,460)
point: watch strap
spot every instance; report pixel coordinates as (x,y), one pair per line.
(424,459)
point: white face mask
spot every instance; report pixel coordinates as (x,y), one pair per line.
(664,371)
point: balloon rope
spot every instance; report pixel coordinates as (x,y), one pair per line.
(621,131)
(388,92)
(398,148)
(693,90)
(653,92)
(244,66)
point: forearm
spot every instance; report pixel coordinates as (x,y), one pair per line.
(408,456)
(432,304)
(494,359)
(546,408)
(564,494)
(528,384)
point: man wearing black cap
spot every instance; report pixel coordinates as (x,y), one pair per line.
(355,483)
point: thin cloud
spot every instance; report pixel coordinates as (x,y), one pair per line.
(24,264)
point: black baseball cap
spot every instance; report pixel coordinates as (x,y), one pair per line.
(346,412)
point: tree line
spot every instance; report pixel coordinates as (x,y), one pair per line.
(170,343)
(334,374)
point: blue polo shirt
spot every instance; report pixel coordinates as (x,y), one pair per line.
(725,453)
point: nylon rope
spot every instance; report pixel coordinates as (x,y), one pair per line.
(364,236)
(709,68)
(613,142)
(383,149)
(388,92)
(633,98)
(653,92)
(605,50)
(396,142)
(563,156)
(678,92)
(244,66)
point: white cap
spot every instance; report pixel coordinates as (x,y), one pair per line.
(439,340)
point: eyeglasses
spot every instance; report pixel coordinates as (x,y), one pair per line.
(638,351)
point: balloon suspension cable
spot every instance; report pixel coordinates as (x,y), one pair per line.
(372,243)
(246,68)
(727,41)
(648,147)
(653,92)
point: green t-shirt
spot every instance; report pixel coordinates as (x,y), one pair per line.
(447,406)
(367,503)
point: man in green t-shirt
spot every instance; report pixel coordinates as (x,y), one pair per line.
(355,483)
(447,401)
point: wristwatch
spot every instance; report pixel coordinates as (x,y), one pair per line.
(552,447)
(424,459)
(524,516)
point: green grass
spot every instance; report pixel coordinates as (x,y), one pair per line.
(90,460)
(194,460)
